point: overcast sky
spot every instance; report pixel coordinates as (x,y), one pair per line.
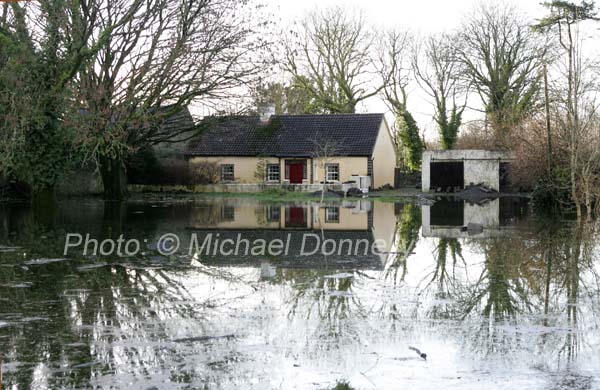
(423,17)
(420,15)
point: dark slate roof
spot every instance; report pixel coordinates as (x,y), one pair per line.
(174,124)
(287,135)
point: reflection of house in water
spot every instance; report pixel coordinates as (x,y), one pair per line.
(360,222)
(455,218)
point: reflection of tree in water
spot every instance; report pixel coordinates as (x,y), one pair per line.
(571,299)
(572,255)
(528,296)
(328,300)
(61,316)
(497,296)
(499,293)
(444,277)
(409,224)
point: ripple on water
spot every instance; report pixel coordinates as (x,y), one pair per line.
(43,261)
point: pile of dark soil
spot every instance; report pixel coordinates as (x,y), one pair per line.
(477,194)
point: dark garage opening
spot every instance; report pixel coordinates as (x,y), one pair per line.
(447,212)
(505,177)
(447,176)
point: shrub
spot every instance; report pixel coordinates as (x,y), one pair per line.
(204,172)
(342,385)
(143,167)
(174,172)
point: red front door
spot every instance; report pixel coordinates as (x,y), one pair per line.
(296,173)
(296,217)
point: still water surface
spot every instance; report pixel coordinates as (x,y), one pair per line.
(497,297)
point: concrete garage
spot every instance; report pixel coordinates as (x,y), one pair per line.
(451,170)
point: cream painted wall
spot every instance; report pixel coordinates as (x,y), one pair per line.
(384,223)
(243,218)
(244,167)
(384,158)
(348,166)
(349,219)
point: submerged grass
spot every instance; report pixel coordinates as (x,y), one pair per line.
(262,196)
(269,194)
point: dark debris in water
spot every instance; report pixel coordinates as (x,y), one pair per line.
(572,381)
(85,365)
(203,338)
(89,267)
(43,261)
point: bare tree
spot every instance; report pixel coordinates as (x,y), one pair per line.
(501,58)
(330,56)
(439,73)
(287,98)
(395,70)
(325,151)
(577,106)
(168,55)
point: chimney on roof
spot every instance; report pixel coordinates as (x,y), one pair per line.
(266,112)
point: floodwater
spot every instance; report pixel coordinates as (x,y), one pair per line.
(497,297)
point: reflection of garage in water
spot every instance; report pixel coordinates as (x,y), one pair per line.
(453,170)
(451,217)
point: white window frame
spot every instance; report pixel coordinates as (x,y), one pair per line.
(227,213)
(332,215)
(270,175)
(273,213)
(223,174)
(329,174)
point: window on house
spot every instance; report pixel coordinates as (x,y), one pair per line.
(332,172)
(332,214)
(273,213)
(273,172)
(227,213)
(227,172)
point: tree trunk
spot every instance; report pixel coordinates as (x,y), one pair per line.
(113,217)
(114,178)
(44,206)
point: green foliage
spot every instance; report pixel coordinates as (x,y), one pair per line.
(507,107)
(275,192)
(552,191)
(261,170)
(449,126)
(409,224)
(143,166)
(451,245)
(412,144)
(565,12)
(288,99)
(267,130)
(36,146)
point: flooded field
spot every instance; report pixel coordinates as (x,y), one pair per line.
(496,297)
